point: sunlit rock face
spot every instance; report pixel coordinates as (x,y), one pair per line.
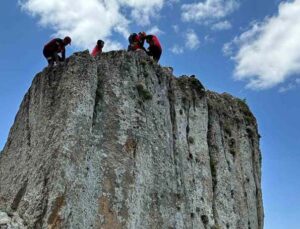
(117,141)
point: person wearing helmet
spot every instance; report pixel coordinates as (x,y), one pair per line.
(98,48)
(154,48)
(55,46)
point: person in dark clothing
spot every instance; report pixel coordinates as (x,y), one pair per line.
(54,47)
(98,48)
(154,48)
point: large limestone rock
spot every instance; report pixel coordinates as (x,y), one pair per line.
(119,142)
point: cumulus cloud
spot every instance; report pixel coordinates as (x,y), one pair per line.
(208,11)
(209,39)
(222,25)
(142,10)
(155,30)
(268,53)
(176,49)
(89,20)
(228,48)
(192,40)
(290,86)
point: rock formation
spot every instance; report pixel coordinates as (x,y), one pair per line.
(119,142)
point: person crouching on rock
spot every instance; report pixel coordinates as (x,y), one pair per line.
(98,48)
(54,47)
(135,42)
(154,48)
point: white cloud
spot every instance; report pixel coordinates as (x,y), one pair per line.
(142,10)
(223,25)
(208,11)
(155,30)
(290,86)
(209,39)
(86,21)
(176,49)
(172,3)
(268,53)
(228,49)
(175,28)
(192,40)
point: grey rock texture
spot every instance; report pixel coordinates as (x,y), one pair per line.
(119,142)
(12,221)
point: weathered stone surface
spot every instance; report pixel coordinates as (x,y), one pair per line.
(11,221)
(119,142)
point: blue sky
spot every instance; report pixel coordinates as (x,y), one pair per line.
(249,48)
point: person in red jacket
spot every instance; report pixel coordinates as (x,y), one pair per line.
(134,43)
(98,48)
(54,47)
(154,48)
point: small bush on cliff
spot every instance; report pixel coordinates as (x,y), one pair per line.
(191,140)
(145,94)
(143,62)
(249,118)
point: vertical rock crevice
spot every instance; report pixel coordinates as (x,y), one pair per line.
(171,98)
(20,194)
(213,169)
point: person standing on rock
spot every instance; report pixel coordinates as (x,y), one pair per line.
(154,48)
(54,47)
(98,48)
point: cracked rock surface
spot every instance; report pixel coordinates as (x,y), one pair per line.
(119,142)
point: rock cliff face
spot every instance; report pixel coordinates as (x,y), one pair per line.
(119,142)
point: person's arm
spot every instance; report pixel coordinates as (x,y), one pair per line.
(61,48)
(149,51)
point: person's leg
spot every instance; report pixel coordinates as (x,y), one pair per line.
(48,57)
(150,51)
(50,61)
(156,53)
(56,57)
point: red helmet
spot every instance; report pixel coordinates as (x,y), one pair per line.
(67,40)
